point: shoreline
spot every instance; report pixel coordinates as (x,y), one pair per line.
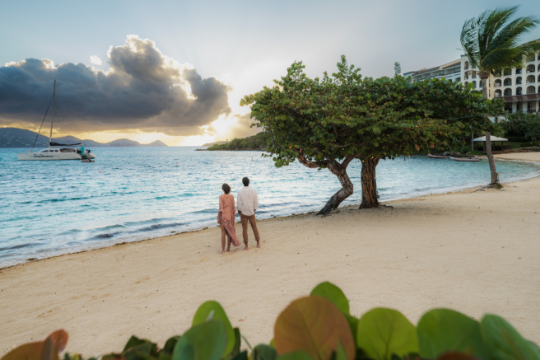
(472,251)
(443,191)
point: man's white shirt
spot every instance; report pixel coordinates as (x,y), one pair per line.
(247,201)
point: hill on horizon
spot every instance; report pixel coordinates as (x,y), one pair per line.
(21,138)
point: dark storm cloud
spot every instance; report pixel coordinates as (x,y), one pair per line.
(143,90)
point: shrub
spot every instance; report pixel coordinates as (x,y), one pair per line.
(320,327)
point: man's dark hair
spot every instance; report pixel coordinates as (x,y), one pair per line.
(226,188)
(245,181)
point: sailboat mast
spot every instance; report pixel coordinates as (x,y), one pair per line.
(52,121)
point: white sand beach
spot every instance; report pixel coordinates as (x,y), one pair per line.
(474,251)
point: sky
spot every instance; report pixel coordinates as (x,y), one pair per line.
(175,71)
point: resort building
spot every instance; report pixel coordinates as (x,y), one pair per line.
(519,88)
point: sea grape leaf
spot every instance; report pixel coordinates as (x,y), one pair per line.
(295,355)
(333,293)
(503,342)
(206,341)
(241,356)
(314,325)
(40,350)
(146,349)
(444,330)
(340,353)
(383,332)
(353,325)
(456,356)
(264,352)
(237,342)
(133,341)
(170,344)
(212,310)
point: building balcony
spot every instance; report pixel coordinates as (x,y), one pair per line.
(531,111)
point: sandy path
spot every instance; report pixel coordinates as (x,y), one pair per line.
(475,252)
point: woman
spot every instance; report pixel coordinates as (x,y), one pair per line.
(226,218)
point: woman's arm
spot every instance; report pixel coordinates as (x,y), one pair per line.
(220,211)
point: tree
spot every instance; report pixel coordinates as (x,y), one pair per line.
(491,44)
(397,69)
(327,123)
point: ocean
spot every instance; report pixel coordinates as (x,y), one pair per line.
(130,194)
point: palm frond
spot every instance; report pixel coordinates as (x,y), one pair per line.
(490,41)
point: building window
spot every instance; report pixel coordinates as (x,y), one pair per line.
(531,90)
(474,84)
(530,68)
(507,71)
(498,93)
(518,80)
(508,92)
(530,79)
(498,83)
(519,71)
(466,67)
(519,106)
(508,82)
(458,79)
(518,91)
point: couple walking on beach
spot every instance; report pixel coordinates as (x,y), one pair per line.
(247,203)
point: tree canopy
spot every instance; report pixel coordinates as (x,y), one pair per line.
(327,122)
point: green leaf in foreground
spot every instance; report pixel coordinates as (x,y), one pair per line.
(331,292)
(443,330)
(295,355)
(383,332)
(314,325)
(212,310)
(206,341)
(503,342)
(264,352)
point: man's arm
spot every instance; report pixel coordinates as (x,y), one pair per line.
(238,202)
(256,202)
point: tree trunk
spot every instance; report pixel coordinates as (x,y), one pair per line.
(369,184)
(346,190)
(494,179)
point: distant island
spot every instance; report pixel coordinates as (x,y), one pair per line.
(21,138)
(257,142)
(215,143)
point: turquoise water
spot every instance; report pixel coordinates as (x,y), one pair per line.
(129,194)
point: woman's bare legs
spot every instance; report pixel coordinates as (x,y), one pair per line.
(222,239)
(228,243)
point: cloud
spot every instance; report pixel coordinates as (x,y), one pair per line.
(143,89)
(95,59)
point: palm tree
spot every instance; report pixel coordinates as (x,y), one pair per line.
(490,41)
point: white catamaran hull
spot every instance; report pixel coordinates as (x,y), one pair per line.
(31,156)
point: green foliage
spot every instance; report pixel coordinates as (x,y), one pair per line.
(346,116)
(504,342)
(397,69)
(314,328)
(212,310)
(522,126)
(331,292)
(444,330)
(386,332)
(314,325)
(490,41)
(256,142)
(194,344)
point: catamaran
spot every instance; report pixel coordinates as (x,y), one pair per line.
(56,151)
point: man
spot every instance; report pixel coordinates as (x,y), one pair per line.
(247,203)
